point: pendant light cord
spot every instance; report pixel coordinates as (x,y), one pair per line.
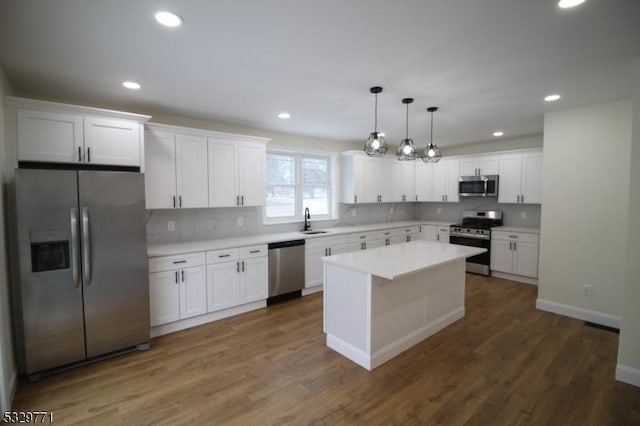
(406,136)
(431,127)
(375,120)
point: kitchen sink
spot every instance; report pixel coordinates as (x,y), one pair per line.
(314,232)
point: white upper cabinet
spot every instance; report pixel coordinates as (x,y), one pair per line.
(236,172)
(176,170)
(445,180)
(190,168)
(112,142)
(376,180)
(60,133)
(403,181)
(479,165)
(191,171)
(423,181)
(521,178)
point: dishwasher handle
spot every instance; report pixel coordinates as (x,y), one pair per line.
(284,244)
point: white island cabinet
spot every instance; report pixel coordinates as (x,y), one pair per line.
(380,302)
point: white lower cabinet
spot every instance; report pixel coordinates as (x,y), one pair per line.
(442,234)
(236,277)
(177,288)
(514,253)
(315,250)
(428,232)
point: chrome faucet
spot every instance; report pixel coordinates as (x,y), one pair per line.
(307,219)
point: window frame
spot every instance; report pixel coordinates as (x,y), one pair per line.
(299,185)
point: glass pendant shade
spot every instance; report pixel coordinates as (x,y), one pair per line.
(407,150)
(431,153)
(376,146)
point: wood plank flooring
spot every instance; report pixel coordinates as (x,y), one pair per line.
(505,363)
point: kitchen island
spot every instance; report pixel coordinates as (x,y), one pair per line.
(380,302)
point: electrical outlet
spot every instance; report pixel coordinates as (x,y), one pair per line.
(353,213)
(523,215)
(171,225)
(439,210)
(587,290)
(240,221)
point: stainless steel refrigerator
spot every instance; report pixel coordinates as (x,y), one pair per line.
(81,289)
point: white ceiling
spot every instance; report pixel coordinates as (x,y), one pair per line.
(486,63)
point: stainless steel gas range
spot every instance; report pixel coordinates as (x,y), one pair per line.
(475,231)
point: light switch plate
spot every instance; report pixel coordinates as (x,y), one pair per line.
(523,215)
(171,225)
(240,221)
(353,213)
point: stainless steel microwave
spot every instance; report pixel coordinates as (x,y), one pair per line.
(478,186)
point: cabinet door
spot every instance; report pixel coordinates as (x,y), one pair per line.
(442,235)
(423,182)
(373,179)
(532,178)
(501,256)
(439,181)
(397,184)
(191,171)
(193,292)
(375,243)
(164,297)
(488,165)
(355,246)
(50,137)
(409,180)
(453,175)
(255,279)
(223,186)
(428,233)
(359,176)
(469,166)
(338,249)
(223,286)
(112,142)
(525,260)
(313,270)
(251,163)
(510,177)
(160,170)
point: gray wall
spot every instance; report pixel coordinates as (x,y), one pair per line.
(7,362)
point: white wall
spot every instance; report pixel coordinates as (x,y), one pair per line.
(7,363)
(585,209)
(628,369)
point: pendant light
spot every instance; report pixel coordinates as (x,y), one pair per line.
(407,149)
(376,145)
(431,153)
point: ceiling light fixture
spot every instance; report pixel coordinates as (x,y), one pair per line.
(431,153)
(131,85)
(552,98)
(168,19)
(284,115)
(497,134)
(566,4)
(376,146)
(407,149)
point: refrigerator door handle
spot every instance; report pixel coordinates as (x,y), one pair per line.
(75,248)
(86,247)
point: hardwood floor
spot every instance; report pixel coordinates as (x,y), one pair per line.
(504,363)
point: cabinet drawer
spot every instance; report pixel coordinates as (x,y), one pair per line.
(313,243)
(387,233)
(407,230)
(354,238)
(253,251)
(225,255)
(167,263)
(515,236)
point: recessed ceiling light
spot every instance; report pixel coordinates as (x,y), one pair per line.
(284,115)
(551,98)
(131,85)
(168,19)
(566,4)
(498,134)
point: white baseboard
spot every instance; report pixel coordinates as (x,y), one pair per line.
(203,319)
(512,277)
(312,290)
(628,375)
(396,348)
(579,313)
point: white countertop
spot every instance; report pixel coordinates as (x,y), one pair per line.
(155,250)
(516,229)
(394,261)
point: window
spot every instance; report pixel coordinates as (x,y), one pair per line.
(295,182)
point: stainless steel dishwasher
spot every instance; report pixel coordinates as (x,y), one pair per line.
(286,270)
